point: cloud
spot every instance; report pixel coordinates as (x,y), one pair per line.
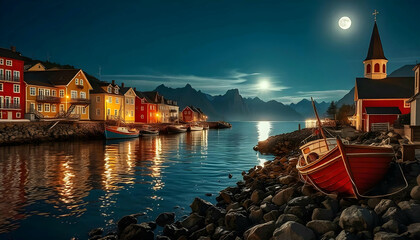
(323,95)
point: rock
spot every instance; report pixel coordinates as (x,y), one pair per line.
(283,196)
(193,220)
(268,207)
(287,179)
(200,206)
(219,232)
(286,218)
(356,218)
(298,211)
(165,218)
(197,234)
(300,201)
(267,199)
(293,230)
(210,228)
(413,231)
(271,216)
(411,210)
(236,221)
(321,227)
(373,202)
(173,232)
(226,196)
(96,232)
(108,237)
(213,214)
(322,214)
(394,213)
(307,190)
(393,226)
(257,196)
(329,235)
(230,175)
(125,221)
(260,232)
(383,206)
(346,236)
(256,215)
(137,231)
(415,193)
(386,236)
(331,204)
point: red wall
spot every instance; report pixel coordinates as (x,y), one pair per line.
(187,115)
(17,65)
(382,118)
(148,112)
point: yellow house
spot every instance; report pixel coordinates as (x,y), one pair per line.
(62,93)
(129,104)
(107,101)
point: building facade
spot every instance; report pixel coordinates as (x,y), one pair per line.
(12,86)
(146,111)
(107,102)
(129,106)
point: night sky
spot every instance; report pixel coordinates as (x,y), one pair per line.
(296,46)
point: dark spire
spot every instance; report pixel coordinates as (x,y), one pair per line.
(375,47)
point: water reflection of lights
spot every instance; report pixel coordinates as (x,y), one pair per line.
(156,167)
(68,183)
(263,129)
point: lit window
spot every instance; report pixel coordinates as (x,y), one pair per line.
(109,99)
(54,93)
(73,94)
(83,95)
(16,88)
(117,100)
(76,81)
(47,107)
(53,108)
(81,82)
(61,93)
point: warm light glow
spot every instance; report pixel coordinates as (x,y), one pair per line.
(67,96)
(344,22)
(157,114)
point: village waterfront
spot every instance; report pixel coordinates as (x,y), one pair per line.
(59,190)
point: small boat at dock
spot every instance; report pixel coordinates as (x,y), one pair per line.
(149,131)
(117,132)
(195,128)
(176,129)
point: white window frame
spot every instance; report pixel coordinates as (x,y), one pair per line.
(54,93)
(117,100)
(83,95)
(109,99)
(108,112)
(47,92)
(142,108)
(81,82)
(132,113)
(47,109)
(73,93)
(18,115)
(8,75)
(109,89)
(39,107)
(9,63)
(115,112)
(1,87)
(1,61)
(40,92)
(83,110)
(32,91)
(16,100)
(142,116)
(61,93)
(61,108)
(126,101)
(16,88)
(1,74)
(132,101)
(16,76)
(53,108)
(76,81)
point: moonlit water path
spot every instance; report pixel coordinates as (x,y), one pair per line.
(62,190)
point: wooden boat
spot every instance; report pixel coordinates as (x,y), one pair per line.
(117,132)
(195,128)
(348,170)
(206,127)
(176,129)
(149,132)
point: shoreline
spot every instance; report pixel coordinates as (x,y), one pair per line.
(271,203)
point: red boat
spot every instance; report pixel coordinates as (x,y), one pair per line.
(348,170)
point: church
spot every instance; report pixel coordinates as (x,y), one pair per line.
(380,99)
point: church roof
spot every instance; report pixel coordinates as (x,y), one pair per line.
(388,88)
(375,47)
(383,110)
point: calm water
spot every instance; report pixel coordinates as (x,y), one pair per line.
(64,189)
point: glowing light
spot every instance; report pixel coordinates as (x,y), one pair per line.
(344,22)
(157,114)
(264,85)
(263,129)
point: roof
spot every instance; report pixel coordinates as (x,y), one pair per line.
(375,47)
(383,110)
(404,71)
(124,90)
(387,88)
(8,53)
(154,97)
(50,77)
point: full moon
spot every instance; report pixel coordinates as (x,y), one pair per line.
(264,85)
(344,22)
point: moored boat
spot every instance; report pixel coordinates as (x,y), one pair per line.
(117,132)
(176,129)
(149,131)
(195,128)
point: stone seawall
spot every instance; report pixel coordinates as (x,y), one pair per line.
(32,132)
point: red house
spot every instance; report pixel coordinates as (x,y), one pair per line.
(380,99)
(12,87)
(145,110)
(193,114)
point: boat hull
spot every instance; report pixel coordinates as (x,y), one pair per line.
(176,129)
(349,170)
(113,133)
(149,132)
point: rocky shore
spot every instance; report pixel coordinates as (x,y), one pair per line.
(271,203)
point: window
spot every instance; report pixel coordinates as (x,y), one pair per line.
(83,95)
(47,107)
(1,87)
(115,112)
(150,114)
(61,107)
(16,76)
(132,101)
(16,88)
(16,100)
(76,81)
(376,67)
(40,92)
(53,108)
(383,68)
(109,89)
(368,68)
(1,61)
(39,107)
(98,99)
(8,75)
(108,111)
(18,115)
(132,113)
(98,111)
(1,74)
(109,99)
(142,116)
(54,93)
(73,94)
(151,108)
(8,62)
(81,82)
(126,101)
(61,93)
(83,110)
(32,91)
(142,108)
(117,100)
(116,90)
(31,107)
(406,104)
(47,92)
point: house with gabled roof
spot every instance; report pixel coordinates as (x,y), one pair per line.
(167,110)
(107,101)
(63,93)
(380,100)
(129,106)
(146,109)
(192,114)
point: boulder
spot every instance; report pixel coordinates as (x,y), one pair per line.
(331,204)
(236,221)
(137,231)
(344,235)
(286,179)
(283,196)
(413,231)
(165,218)
(213,214)
(257,196)
(286,218)
(271,216)
(125,221)
(268,207)
(200,206)
(383,206)
(356,219)
(260,232)
(415,193)
(394,213)
(256,215)
(298,211)
(226,196)
(293,230)
(322,214)
(393,226)
(321,227)
(193,220)
(96,232)
(411,210)
(387,236)
(173,232)
(300,201)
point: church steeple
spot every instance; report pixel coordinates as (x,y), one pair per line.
(375,62)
